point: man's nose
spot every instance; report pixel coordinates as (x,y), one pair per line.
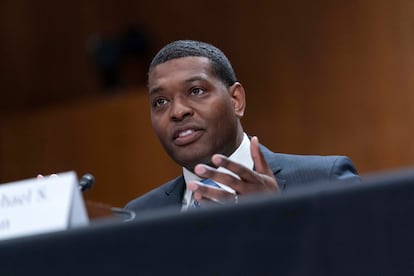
(180,110)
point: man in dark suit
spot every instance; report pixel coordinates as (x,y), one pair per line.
(196,107)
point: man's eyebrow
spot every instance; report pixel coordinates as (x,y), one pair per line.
(195,78)
(155,90)
(159,89)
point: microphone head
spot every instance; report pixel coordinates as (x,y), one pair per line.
(86,182)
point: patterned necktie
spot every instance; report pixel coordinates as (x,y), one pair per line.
(208,182)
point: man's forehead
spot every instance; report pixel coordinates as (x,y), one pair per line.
(182,63)
(180,70)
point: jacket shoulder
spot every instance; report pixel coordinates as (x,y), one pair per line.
(295,170)
(166,195)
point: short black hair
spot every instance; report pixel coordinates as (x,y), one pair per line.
(191,48)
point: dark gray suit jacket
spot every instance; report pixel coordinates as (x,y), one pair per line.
(290,170)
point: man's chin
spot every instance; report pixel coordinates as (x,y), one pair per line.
(189,162)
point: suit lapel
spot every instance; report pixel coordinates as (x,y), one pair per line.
(173,192)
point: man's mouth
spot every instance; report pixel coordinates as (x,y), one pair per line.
(186,136)
(185,133)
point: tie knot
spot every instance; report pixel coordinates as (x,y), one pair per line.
(209,182)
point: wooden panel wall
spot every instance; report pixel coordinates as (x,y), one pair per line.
(333,77)
(322,77)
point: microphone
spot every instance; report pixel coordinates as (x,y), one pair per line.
(86,182)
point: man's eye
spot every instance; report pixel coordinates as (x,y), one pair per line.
(159,102)
(197,91)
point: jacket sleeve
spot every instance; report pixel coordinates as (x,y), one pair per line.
(344,169)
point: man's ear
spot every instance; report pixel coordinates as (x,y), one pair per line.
(238,98)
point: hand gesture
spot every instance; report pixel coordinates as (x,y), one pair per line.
(260,180)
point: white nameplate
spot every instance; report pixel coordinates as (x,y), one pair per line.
(36,206)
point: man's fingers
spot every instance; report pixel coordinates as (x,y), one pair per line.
(241,179)
(206,171)
(259,161)
(41,176)
(206,192)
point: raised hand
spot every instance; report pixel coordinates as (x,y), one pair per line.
(242,182)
